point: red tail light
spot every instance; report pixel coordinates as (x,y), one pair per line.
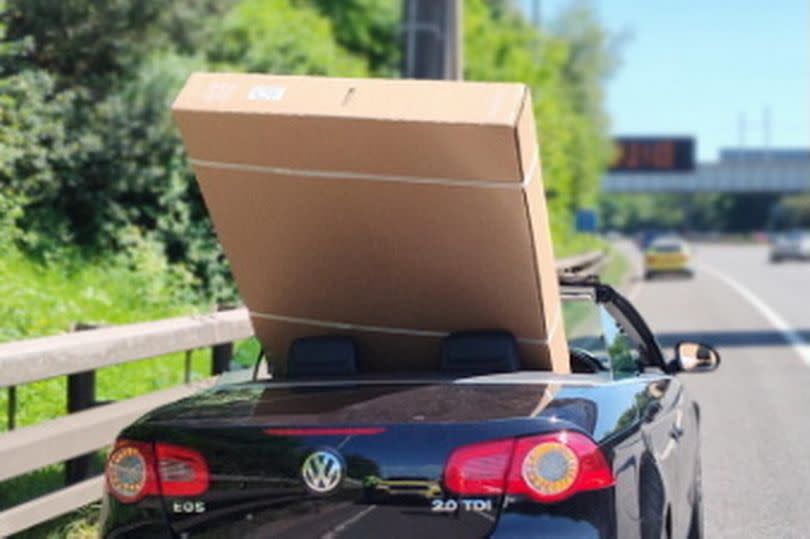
(130,471)
(547,468)
(135,470)
(182,471)
(479,469)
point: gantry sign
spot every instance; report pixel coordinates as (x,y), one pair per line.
(667,165)
(654,154)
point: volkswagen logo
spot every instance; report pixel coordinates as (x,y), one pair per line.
(322,471)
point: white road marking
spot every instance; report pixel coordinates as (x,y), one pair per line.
(791,336)
(343,525)
(485,515)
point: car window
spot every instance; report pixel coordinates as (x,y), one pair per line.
(625,357)
(591,328)
(667,248)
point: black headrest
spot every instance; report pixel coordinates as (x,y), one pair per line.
(313,357)
(480,352)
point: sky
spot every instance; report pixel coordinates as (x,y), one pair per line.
(704,67)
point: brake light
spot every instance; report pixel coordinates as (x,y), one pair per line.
(547,468)
(182,471)
(328,431)
(135,470)
(479,469)
(130,471)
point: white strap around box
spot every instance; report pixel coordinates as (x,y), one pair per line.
(343,326)
(349,175)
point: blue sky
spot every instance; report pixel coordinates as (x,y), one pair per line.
(693,67)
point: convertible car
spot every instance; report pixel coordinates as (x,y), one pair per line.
(479,448)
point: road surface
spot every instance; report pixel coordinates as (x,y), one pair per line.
(756,407)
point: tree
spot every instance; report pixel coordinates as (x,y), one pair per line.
(592,58)
(500,44)
(367,28)
(791,212)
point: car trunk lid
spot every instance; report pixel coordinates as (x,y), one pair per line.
(346,459)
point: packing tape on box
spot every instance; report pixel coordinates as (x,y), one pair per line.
(348,175)
(555,323)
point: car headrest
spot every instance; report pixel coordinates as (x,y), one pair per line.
(313,357)
(479,352)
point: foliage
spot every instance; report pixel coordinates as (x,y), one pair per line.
(731,213)
(132,285)
(367,28)
(89,145)
(791,212)
(564,71)
(275,36)
(592,58)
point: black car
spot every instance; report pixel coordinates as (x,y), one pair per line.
(479,448)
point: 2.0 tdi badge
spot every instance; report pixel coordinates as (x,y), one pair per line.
(322,471)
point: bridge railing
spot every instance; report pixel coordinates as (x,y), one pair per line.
(93,426)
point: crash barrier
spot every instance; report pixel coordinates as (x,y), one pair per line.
(585,265)
(90,425)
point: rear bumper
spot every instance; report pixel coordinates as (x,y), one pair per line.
(668,268)
(548,526)
(586,515)
(145,519)
(143,530)
(799,254)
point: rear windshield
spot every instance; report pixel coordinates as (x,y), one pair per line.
(667,248)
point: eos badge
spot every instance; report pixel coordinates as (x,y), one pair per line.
(322,471)
(187,507)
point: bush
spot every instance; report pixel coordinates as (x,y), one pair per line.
(564,71)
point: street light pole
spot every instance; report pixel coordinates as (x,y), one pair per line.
(432,31)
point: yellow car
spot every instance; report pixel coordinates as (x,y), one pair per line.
(667,255)
(412,487)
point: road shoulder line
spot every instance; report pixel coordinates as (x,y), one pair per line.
(791,336)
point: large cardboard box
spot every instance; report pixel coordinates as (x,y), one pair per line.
(393,211)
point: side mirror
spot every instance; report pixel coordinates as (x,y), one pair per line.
(696,357)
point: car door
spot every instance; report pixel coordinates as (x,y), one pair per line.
(668,426)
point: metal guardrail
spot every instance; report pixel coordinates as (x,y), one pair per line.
(584,265)
(72,437)
(78,355)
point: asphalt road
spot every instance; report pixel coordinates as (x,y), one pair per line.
(756,407)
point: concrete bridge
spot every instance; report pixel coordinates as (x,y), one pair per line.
(738,171)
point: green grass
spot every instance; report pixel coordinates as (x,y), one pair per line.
(577,244)
(49,298)
(617,269)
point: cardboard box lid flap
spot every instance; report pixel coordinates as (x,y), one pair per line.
(418,131)
(370,99)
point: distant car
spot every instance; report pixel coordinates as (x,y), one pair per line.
(478,447)
(793,244)
(669,254)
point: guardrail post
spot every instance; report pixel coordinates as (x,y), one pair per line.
(12,408)
(221,354)
(81,395)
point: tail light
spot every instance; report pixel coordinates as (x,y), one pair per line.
(547,468)
(135,470)
(182,471)
(130,471)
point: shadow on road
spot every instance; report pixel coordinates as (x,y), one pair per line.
(735,338)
